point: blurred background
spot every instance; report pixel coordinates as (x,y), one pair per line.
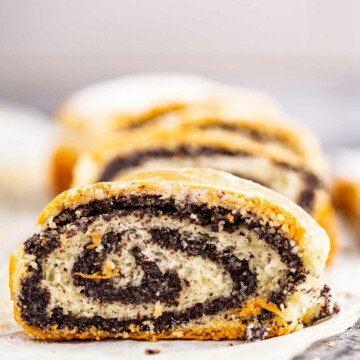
(307,53)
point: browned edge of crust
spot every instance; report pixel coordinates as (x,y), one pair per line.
(63,161)
(346,196)
(324,214)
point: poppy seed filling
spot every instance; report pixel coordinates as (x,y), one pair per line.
(155,286)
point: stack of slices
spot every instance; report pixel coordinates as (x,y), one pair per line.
(156,121)
(198,251)
(262,146)
(131,102)
(188,253)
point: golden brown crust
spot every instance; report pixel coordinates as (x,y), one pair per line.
(12,267)
(220,333)
(346,197)
(325,215)
(62,165)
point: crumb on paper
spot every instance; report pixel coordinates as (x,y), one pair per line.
(230,344)
(2,325)
(332,344)
(355,347)
(153,351)
(316,358)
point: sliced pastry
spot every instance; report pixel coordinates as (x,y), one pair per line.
(346,184)
(130,102)
(346,195)
(251,123)
(274,167)
(188,253)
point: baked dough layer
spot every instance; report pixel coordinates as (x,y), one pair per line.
(144,241)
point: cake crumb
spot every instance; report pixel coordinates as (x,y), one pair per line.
(316,358)
(332,344)
(2,325)
(153,351)
(355,347)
